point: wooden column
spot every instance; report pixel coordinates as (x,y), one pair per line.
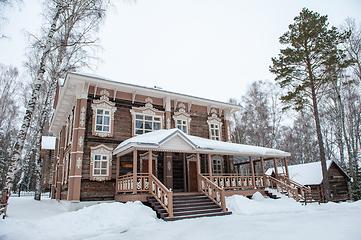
(76,162)
(167,107)
(286,167)
(210,171)
(168,166)
(227,127)
(60,164)
(117,160)
(275,166)
(184,173)
(262,166)
(135,170)
(252,171)
(198,165)
(150,162)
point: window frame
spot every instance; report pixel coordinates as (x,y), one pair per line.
(144,121)
(103,104)
(102,151)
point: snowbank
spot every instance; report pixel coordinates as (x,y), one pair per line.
(105,218)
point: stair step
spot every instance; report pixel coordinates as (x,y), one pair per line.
(197,216)
(188,206)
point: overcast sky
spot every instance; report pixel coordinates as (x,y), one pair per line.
(206,48)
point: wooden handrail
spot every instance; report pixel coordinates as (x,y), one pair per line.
(301,188)
(235,181)
(162,194)
(125,183)
(282,187)
(213,192)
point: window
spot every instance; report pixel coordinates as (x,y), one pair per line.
(146,123)
(102,120)
(215,126)
(100,165)
(182,125)
(217,164)
(103,116)
(182,119)
(214,132)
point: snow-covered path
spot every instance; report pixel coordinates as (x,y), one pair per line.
(260,218)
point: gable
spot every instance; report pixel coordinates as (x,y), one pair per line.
(176,142)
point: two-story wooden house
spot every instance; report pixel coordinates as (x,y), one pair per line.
(119,141)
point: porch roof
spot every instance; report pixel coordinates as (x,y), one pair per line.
(175,140)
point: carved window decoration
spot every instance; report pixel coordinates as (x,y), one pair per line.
(182,119)
(217,163)
(103,116)
(215,126)
(100,163)
(146,119)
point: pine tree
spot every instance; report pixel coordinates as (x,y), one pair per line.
(304,68)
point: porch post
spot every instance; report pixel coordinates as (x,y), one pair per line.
(55,162)
(210,167)
(135,169)
(150,162)
(286,167)
(184,173)
(252,171)
(198,165)
(262,166)
(61,164)
(275,166)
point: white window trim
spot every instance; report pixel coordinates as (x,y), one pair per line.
(103,104)
(147,110)
(182,115)
(213,119)
(101,150)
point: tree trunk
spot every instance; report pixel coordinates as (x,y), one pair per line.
(19,144)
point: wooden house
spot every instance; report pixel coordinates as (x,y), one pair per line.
(310,175)
(119,141)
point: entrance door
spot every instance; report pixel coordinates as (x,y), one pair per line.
(192,176)
(145,167)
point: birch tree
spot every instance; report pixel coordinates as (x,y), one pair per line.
(303,68)
(70,30)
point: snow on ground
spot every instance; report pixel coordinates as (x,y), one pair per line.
(259,218)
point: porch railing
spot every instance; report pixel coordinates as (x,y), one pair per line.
(302,190)
(125,183)
(282,187)
(213,192)
(147,183)
(162,194)
(234,181)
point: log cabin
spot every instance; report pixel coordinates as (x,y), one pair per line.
(124,142)
(310,175)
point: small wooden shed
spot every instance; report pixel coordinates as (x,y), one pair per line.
(310,175)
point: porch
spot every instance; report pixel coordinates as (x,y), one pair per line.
(169,163)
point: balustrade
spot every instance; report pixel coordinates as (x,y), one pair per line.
(234,181)
(213,192)
(125,184)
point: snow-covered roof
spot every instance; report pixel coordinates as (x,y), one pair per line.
(176,140)
(305,174)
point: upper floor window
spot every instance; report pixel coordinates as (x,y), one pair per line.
(215,126)
(182,119)
(146,123)
(146,119)
(102,120)
(215,132)
(103,116)
(182,125)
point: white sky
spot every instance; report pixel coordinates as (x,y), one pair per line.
(205,48)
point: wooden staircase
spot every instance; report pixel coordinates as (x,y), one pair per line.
(188,206)
(271,195)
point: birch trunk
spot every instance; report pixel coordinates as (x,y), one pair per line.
(19,144)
